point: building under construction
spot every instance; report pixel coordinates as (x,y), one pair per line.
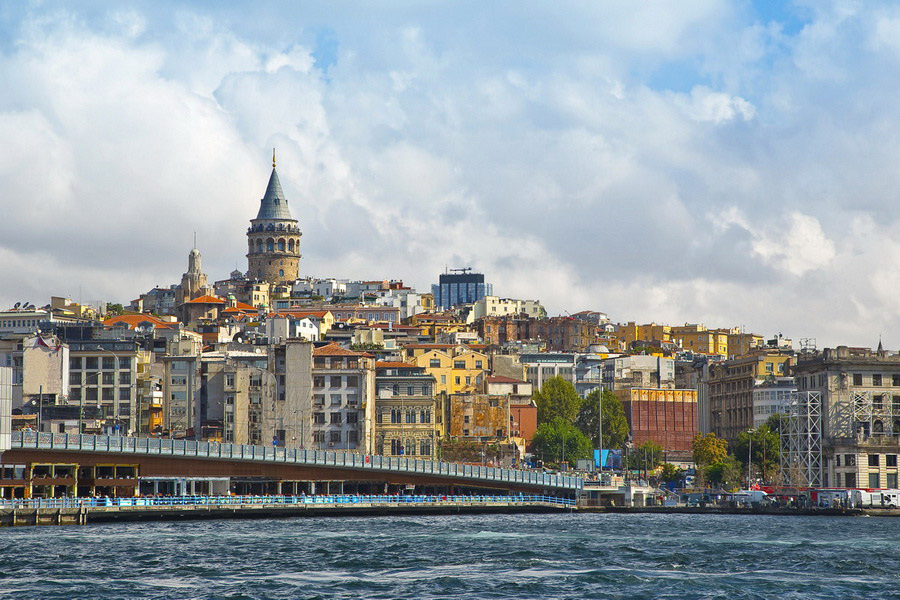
(842,428)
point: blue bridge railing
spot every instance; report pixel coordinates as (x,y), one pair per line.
(287,501)
(276,454)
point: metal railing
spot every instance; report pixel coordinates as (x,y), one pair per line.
(286,501)
(275,454)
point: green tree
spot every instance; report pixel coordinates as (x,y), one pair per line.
(774,422)
(647,456)
(726,473)
(708,449)
(615,424)
(559,440)
(765,449)
(114,310)
(671,473)
(557,398)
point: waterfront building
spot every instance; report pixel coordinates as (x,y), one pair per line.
(273,237)
(237,399)
(343,406)
(730,385)
(105,374)
(194,282)
(6,385)
(409,416)
(772,397)
(665,416)
(843,428)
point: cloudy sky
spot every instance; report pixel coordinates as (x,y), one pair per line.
(695,161)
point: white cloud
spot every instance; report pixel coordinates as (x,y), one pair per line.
(548,152)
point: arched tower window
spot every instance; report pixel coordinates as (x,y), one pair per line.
(259,245)
(281,245)
(270,245)
(290,245)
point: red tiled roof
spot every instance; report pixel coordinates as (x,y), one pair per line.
(333,349)
(206,300)
(133,320)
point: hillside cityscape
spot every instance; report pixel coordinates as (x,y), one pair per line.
(456,373)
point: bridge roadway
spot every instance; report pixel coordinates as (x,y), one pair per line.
(157,457)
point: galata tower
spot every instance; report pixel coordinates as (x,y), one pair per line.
(273,237)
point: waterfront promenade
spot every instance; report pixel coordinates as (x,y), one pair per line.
(80,511)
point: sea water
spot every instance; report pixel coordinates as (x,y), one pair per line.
(628,556)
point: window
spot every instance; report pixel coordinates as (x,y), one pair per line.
(878,402)
(75,363)
(874,480)
(410,416)
(75,394)
(892,481)
(850,480)
(395,389)
(90,363)
(124,393)
(352,418)
(890,460)
(457,380)
(319,400)
(425,447)
(770,367)
(352,381)
(318,381)
(125,363)
(426,417)
(434,363)
(109,378)
(410,390)
(895,379)
(478,364)
(857,379)
(229,380)
(74,378)
(336,399)
(466,419)
(465,432)
(352,399)
(849,460)
(468,381)
(125,378)
(319,418)
(319,437)
(353,436)
(334,437)
(336,418)
(108,394)
(444,379)
(459,364)
(109,362)
(873,462)
(876,379)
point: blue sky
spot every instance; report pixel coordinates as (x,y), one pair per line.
(729,163)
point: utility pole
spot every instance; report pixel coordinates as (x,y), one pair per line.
(600,424)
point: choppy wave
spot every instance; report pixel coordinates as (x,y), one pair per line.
(484,556)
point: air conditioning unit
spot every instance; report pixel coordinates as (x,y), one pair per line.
(331,444)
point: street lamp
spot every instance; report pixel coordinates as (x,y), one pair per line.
(750,433)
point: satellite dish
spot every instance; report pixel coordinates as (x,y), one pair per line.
(18,304)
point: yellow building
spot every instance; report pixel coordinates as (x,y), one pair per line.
(698,338)
(454,372)
(650,332)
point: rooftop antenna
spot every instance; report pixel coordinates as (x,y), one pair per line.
(273,158)
(195,238)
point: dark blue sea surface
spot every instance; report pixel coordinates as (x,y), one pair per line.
(631,556)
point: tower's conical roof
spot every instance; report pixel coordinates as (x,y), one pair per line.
(274,205)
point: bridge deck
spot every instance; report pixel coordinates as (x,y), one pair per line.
(120,445)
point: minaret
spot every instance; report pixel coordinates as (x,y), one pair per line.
(273,237)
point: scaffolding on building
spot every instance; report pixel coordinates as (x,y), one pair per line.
(801,440)
(875,414)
